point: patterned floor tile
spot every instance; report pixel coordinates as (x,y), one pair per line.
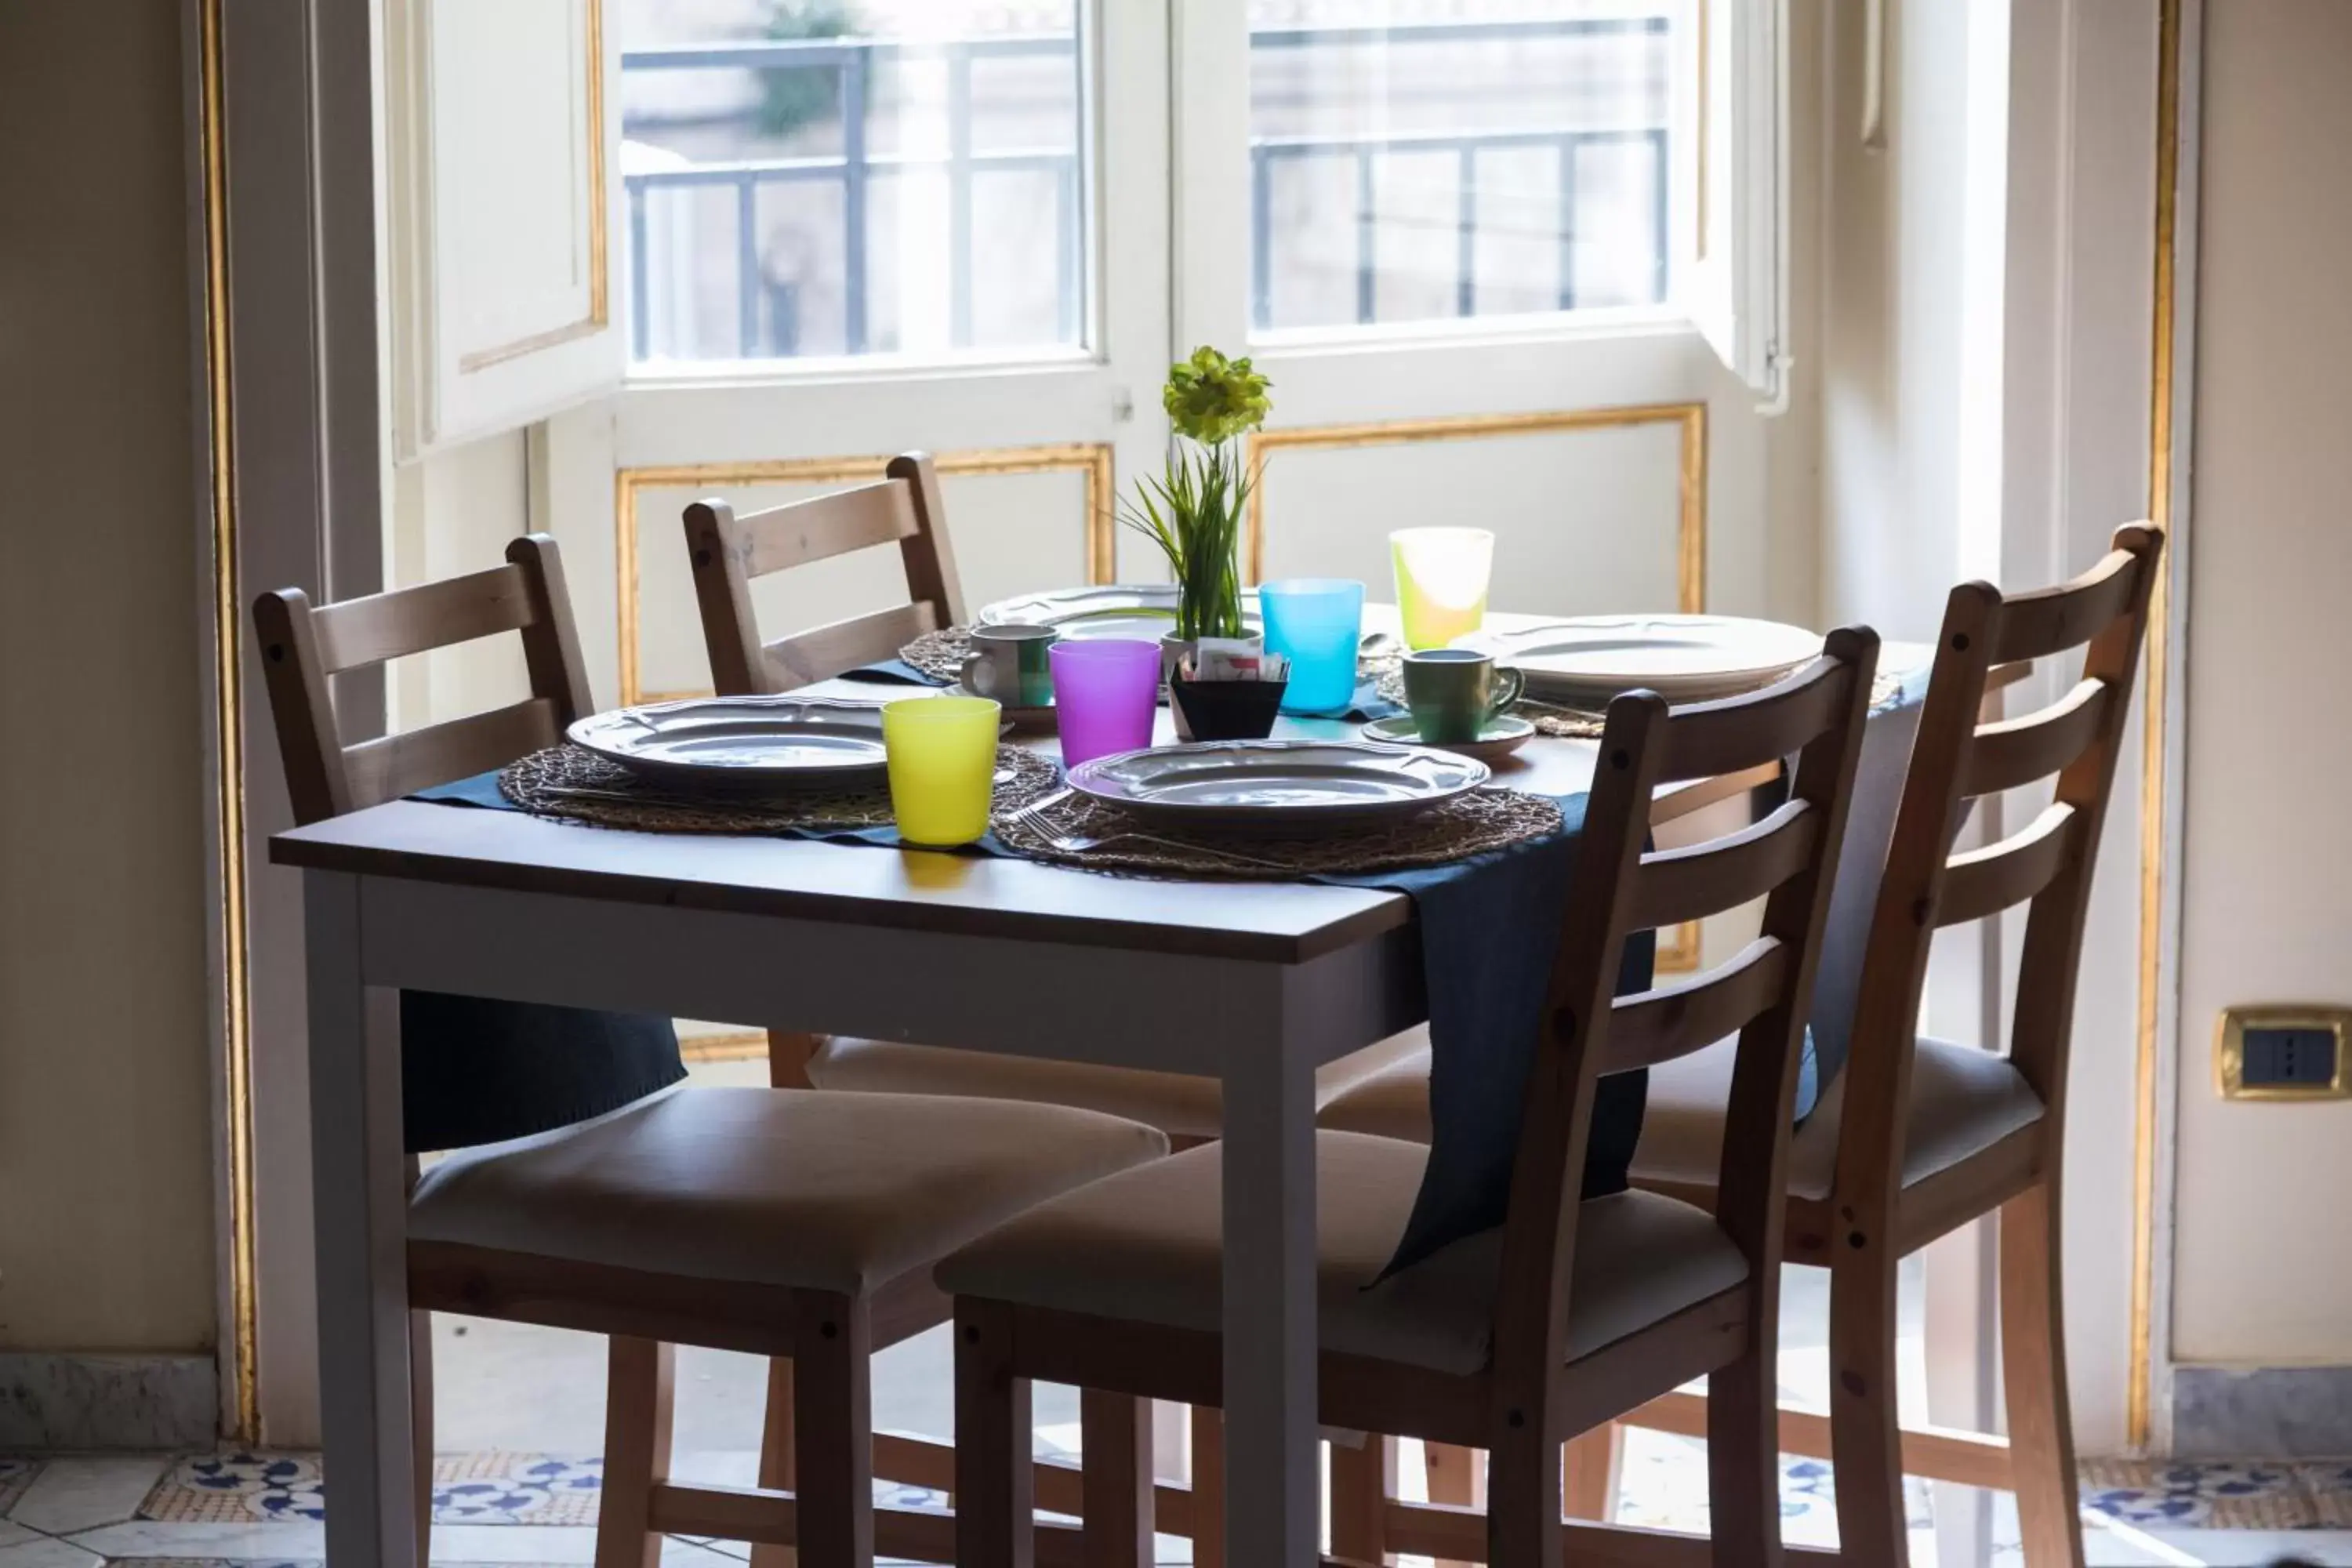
(238,1487)
(2329,1488)
(2202,1495)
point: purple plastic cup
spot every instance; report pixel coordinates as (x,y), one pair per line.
(1105,696)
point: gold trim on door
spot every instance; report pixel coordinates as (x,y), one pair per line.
(1092,459)
(1690,541)
(1678,947)
(2139,1392)
(228,721)
(599,315)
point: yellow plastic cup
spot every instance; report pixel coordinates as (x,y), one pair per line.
(942,760)
(1441,575)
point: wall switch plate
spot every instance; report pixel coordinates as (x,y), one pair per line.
(2285,1053)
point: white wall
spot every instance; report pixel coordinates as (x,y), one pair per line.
(2261,1258)
(106,1124)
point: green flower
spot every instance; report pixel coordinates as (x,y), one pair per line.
(1213,399)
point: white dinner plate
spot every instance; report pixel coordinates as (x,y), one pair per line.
(1276,786)
(1683,658)
(741,742)
(1145,612)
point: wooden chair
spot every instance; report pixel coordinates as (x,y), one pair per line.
(777,1222)
(1567,1314)
(728,552)
(1978,1134)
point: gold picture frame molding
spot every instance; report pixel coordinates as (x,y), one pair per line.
(1093,459)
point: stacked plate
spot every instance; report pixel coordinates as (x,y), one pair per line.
(1583,661)
(743,744)
(1146,611)
(1276,787)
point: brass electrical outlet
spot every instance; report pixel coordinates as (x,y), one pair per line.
(2275,1053)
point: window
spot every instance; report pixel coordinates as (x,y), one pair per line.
(837,178)
(1414,163)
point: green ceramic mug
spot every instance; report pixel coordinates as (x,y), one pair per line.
(1008,664)
(1455,692)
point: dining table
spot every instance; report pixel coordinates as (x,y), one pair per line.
(968,952)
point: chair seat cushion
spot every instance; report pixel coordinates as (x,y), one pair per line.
(1963,1102)
(788,1187)
(1146,1246)
(1177,1103)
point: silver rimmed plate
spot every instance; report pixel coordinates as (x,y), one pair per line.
(1683,658)
(741,742)
(1143,611)
(1276,786)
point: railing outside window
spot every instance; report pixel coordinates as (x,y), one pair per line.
(1291,237)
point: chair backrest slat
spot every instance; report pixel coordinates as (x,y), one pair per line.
(1690,1014)
(2045,867)
(1816,716)
(1980,883)
(825,651)
(1712,739)
(1700,880)
(2016,752)
(728,551)
(825,526)
(2044,621)
(393,765)
(382,626)
(302,645)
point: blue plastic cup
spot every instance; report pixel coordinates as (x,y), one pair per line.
(1317,623)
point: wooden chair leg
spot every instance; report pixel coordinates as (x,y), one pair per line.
(1115,1479)
(1743,1460)
(995,1481)
(1523,1513)
(833,1425)
(2034,1366)
(1208,1488)
(420,1418)
(777,1471)
(788,1057)
(638,1403)
(1865,1431)
(1363,1478)
(1590,1463)
(1456,1476)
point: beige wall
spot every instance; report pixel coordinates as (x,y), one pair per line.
(106,1180)
(2261,1255)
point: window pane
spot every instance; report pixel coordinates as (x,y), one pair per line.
(1411,162)
(842,177)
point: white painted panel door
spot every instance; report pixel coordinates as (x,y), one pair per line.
(933,224)
(1460,240)
(503,279)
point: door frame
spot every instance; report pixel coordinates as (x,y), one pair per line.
(284,111)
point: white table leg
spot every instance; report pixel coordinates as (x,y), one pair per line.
(1272,1459)
(361,1214)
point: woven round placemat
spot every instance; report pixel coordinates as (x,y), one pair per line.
(572,784)
(940,654)
(1586,724)
(1073,830)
